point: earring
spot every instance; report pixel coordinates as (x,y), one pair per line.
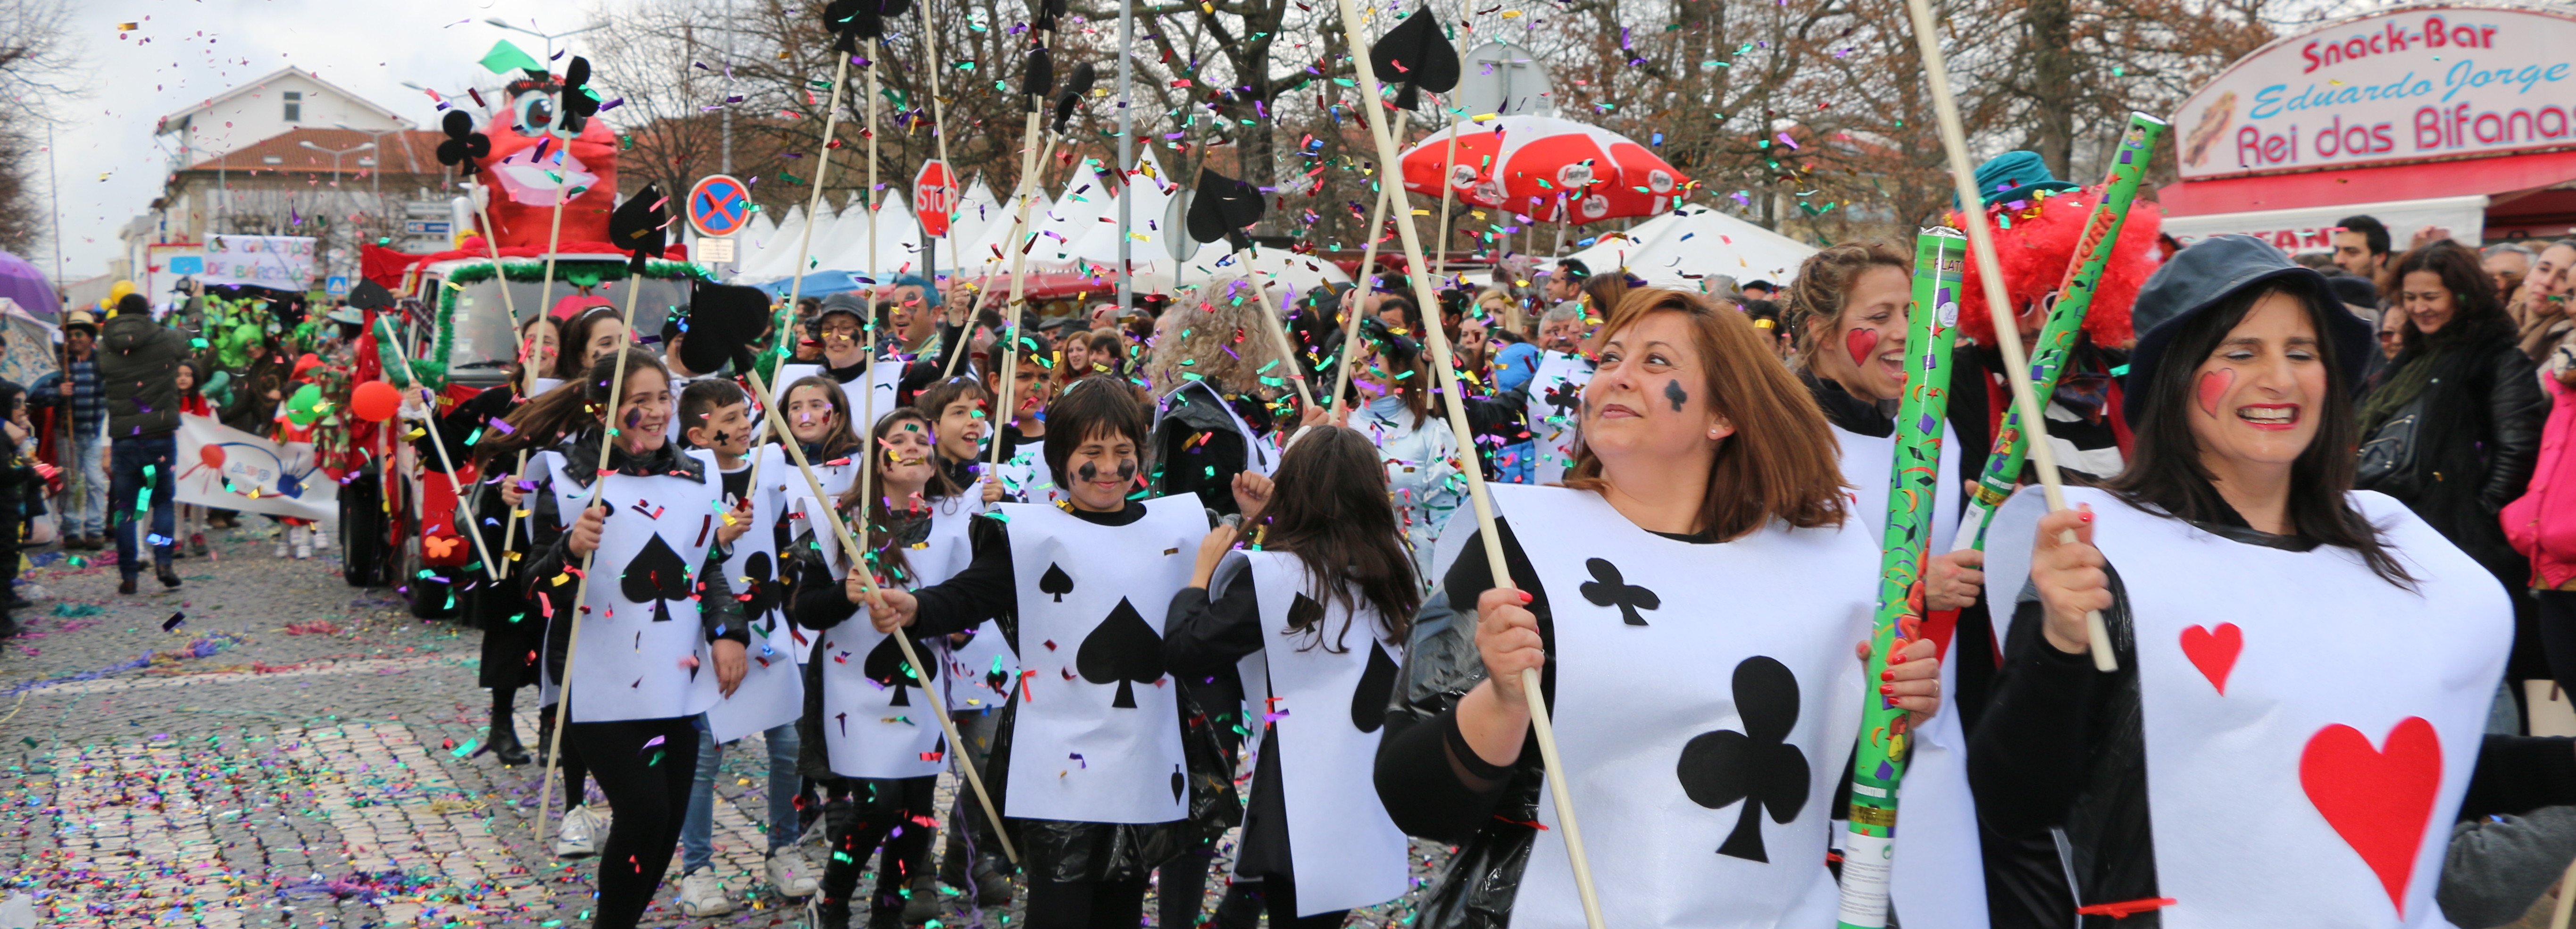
(1713,434)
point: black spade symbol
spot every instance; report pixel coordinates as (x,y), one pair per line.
(369,295)
(1055,581)
(1122,650)
(463,144)
(1304,612)
(637,226)
(885,665)
(760,573)
(1606,588)
(1377,686)
(1756,766)
(656,576)
(1416,57)
(1222,208)
(1180,784)
(1074,90)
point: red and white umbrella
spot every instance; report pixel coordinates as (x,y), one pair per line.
(1550,168)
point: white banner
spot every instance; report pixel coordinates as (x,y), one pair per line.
(2406,85)
(2312,229)
(224,467)
(284,262)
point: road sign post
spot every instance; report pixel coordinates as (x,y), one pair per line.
(719,206)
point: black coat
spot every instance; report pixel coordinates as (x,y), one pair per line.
(2474,448)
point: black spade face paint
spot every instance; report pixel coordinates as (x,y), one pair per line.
(1673,392)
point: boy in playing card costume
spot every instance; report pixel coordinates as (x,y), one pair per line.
(1317,613)
(1693,600)
(662,634)
(1104,767)
(874,746)
(2304,671)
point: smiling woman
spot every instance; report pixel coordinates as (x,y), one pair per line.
(1706,484)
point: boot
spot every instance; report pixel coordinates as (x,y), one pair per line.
(920,903)
(545,734)
(840,867)
(168,576)
(505,745)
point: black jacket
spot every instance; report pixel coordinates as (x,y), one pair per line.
(138,367)
(2474,447)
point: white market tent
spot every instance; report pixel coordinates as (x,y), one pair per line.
(976,213)
(848,237)
(990,253)
(1681,248)
(1086,201)
(751,245)
(779,252)
(898,245)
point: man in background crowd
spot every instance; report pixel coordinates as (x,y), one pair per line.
(2361,247)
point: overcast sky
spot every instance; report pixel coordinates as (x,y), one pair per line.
(186,51)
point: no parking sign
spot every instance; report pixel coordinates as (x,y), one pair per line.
(719,206)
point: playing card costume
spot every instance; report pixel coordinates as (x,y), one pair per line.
(1555,410)
(772,692)
(1104,765)
(1705,696)
(1322,687)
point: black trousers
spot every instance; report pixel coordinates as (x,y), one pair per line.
(1084,904)
(878,812)
(2557,627)
(647,785)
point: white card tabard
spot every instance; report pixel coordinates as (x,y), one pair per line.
(1936,880)
(980,673)
(1027,479)
(1330,709)
(872,727)
(1098,736)
(1866,464)
(648,659)
(886,376)
(804,515)
(772,692)
(2280,793)
(1555,412)
(1689,678)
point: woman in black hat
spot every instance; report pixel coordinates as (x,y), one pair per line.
(2230,767)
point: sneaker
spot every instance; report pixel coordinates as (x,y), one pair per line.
(282,548)
(577,835)
(792,872)
(992,885)
(303,542)
(197,545)
(702,895)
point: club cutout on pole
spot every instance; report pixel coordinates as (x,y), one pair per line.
(462,150)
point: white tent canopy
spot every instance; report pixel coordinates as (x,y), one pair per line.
(1148,193)
(781,250)
(976,214)
(751,245)
(1682,248)
(1085,203)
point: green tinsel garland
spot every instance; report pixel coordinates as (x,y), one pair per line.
(582,273)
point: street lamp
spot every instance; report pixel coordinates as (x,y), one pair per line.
(376,178)
(549,38)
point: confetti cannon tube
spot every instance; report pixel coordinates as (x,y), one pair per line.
(1913,488)
(2065,319)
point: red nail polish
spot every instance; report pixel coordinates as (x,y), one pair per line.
(1887,675)
(1895,657)
(2084,515)
(1887,689)
(1525,597)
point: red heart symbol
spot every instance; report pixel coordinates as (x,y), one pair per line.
(2379,801)
(2214,653)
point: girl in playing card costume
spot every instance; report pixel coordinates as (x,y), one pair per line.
(512,629)
(2304,671)
(662,633)
(1702,550)
(1317,612)
(875,748)
(1104,767)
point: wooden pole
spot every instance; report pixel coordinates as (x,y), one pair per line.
(1442,367)
(461,518)
(1030,178)
(1386,191)
(1954,142)
(858,559)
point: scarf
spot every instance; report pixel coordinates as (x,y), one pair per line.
(2405,383)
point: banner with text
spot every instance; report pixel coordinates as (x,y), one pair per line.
(284,262)
(2404,85)
(226,468)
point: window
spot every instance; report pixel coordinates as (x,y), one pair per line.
(294,106)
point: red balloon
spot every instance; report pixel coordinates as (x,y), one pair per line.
(212,456)
(375,401)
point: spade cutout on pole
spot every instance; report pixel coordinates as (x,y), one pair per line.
(638,226)
(1415,57)
(1222,208)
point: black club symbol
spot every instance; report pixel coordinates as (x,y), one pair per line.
(1565,397)
(463,144)
(1756,767)
(578,103)
(1607,588)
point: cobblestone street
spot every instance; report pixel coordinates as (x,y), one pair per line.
(270,747)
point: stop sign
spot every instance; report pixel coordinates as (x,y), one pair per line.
(936,193)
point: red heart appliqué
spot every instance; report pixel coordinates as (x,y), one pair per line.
(2380,802)
(2214,653)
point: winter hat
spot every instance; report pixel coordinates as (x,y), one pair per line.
(2205,275)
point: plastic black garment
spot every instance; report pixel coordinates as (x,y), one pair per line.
(1206,468)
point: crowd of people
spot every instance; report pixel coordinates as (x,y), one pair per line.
(1169,574)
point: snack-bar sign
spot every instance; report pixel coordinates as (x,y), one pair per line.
(2404,85)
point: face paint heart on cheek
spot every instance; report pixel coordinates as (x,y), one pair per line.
(1860,342)
(2213,388)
